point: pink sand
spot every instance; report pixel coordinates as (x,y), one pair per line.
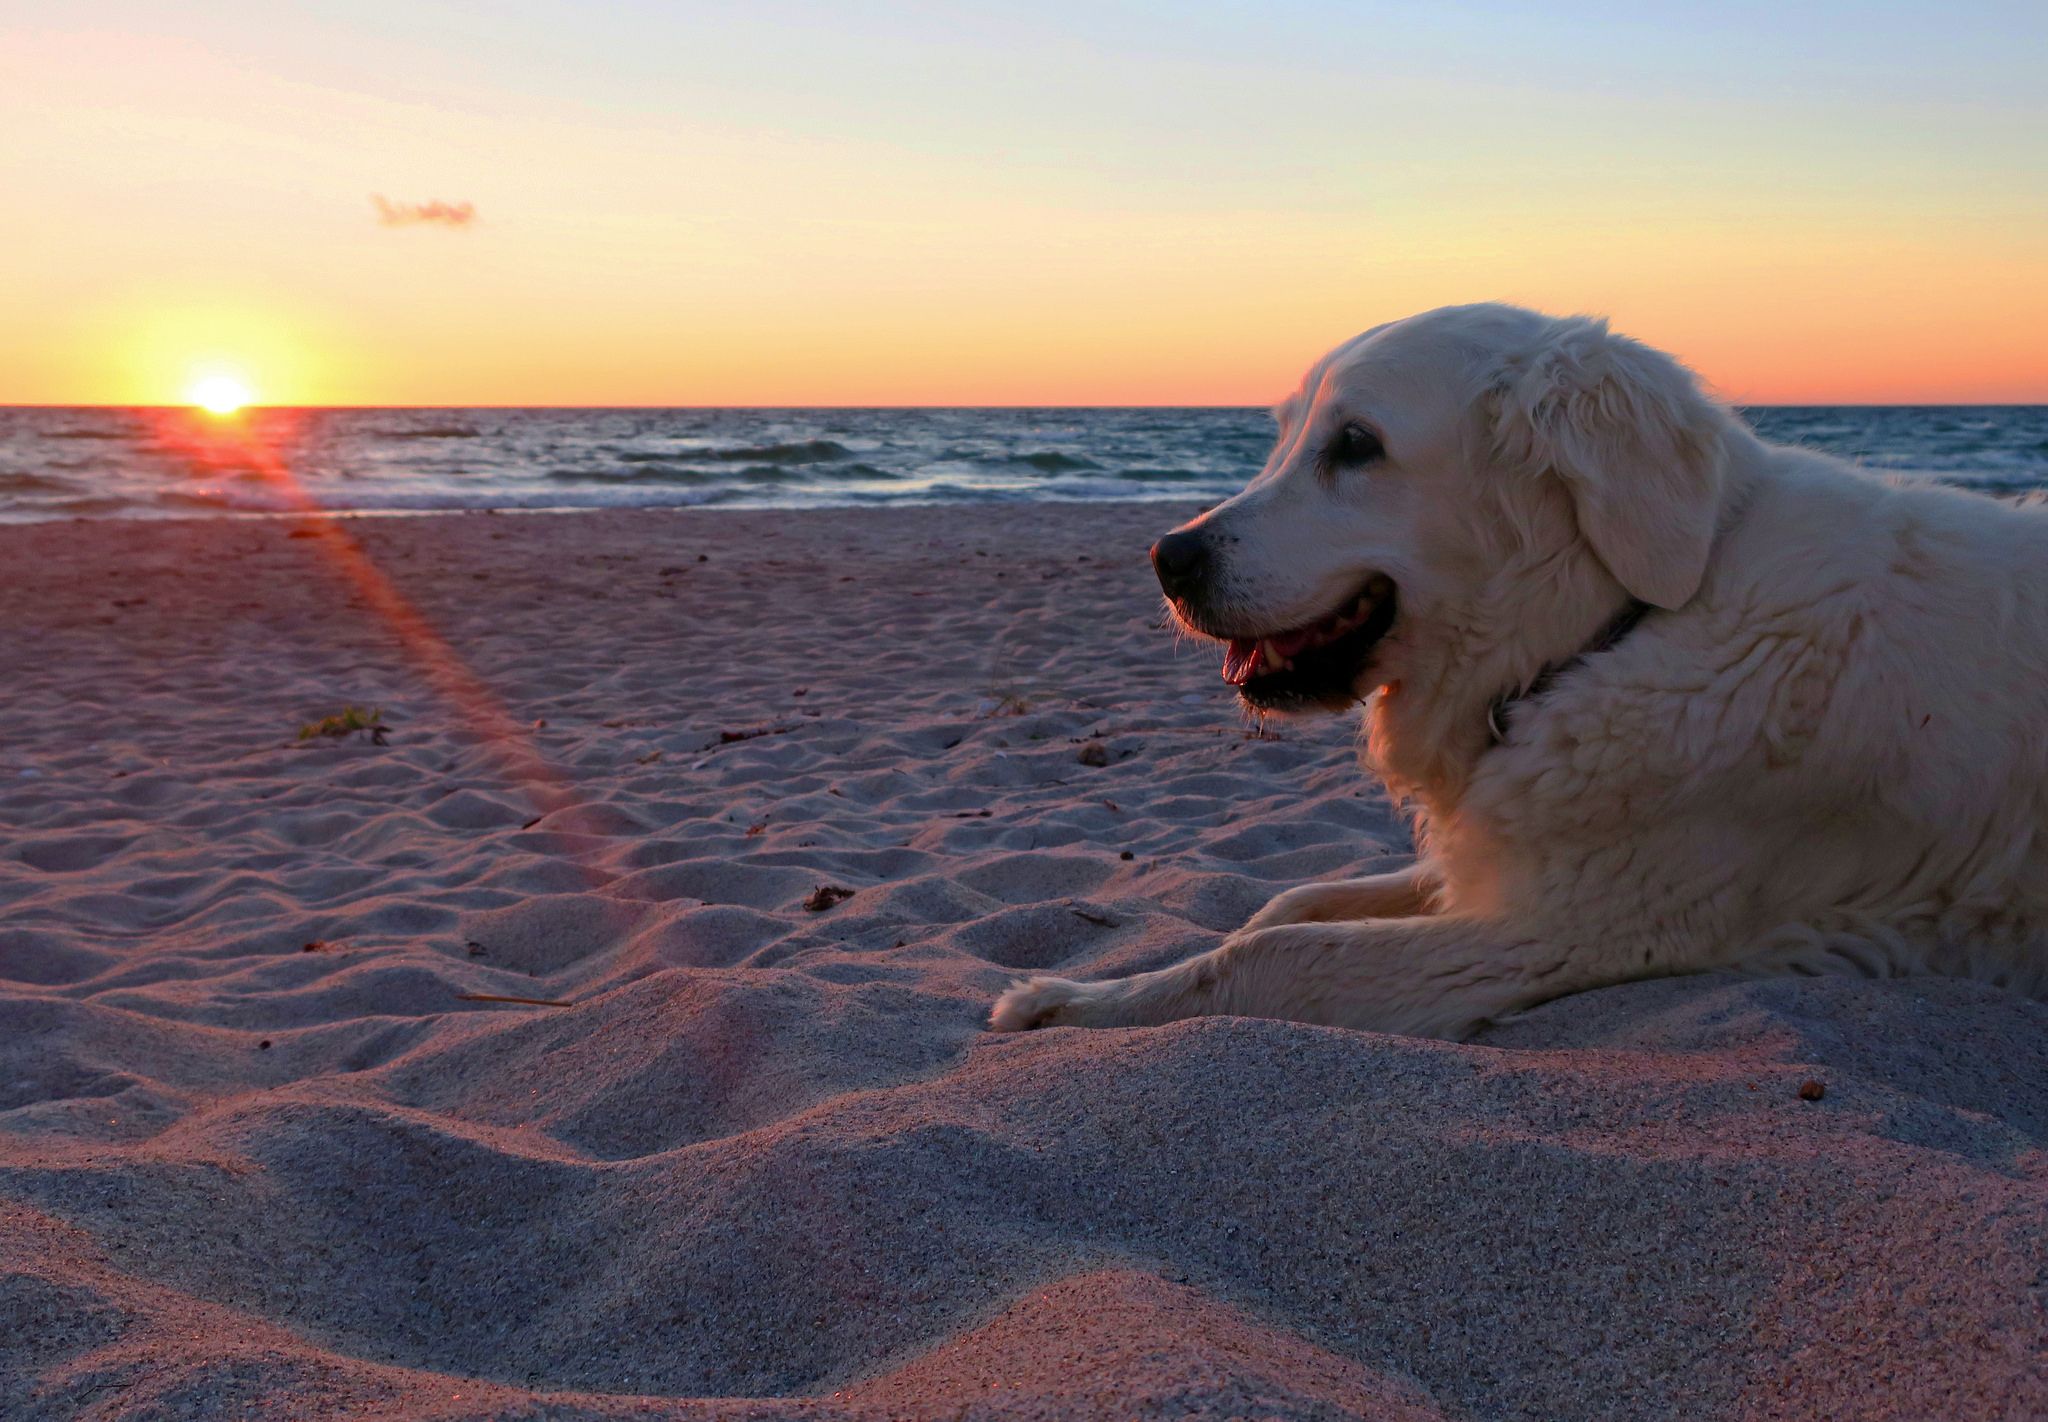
(766,1164)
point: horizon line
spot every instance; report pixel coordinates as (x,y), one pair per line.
(1145,405)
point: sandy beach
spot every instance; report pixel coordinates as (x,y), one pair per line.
(607,1041)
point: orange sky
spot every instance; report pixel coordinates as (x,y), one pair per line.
(1001,205)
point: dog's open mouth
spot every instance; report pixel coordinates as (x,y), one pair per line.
(1316,664)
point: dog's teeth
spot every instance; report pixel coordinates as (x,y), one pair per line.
(1274,661)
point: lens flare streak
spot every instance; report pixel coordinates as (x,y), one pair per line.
(253,448)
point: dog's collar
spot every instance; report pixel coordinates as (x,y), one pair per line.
(1618,627)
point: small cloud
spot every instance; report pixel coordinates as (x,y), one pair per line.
(454,215)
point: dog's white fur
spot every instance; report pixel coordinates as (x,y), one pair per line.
(1825,749)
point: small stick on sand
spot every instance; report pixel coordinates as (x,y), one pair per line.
(726,738)
(498,997)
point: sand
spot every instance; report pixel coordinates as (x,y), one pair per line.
(264,1153)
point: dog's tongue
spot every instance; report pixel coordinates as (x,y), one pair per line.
(1239,658)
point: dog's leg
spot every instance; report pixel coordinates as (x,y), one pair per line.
(1407,893)
(1423,977)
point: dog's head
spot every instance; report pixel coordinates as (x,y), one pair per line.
(1432,476)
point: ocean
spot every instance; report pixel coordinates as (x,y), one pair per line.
(101,462)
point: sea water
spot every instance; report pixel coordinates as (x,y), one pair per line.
(100,462)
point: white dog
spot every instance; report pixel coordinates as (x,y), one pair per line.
(1663,697)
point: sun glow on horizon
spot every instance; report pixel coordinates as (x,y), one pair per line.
(219,394)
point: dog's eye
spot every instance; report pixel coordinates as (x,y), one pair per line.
(1352,446)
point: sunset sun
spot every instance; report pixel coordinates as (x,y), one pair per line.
(218,394)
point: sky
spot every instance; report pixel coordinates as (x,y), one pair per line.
(425,203)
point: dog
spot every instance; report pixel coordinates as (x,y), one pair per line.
(1661,697)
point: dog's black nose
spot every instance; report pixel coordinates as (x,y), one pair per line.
(1181,559)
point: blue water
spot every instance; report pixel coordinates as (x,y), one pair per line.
(98,462)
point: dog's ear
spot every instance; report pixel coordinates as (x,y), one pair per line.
(1634,440)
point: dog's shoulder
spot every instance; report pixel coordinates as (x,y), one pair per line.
(1828,593)
(1842,617)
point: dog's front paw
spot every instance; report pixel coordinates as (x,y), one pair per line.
(1047,1002)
